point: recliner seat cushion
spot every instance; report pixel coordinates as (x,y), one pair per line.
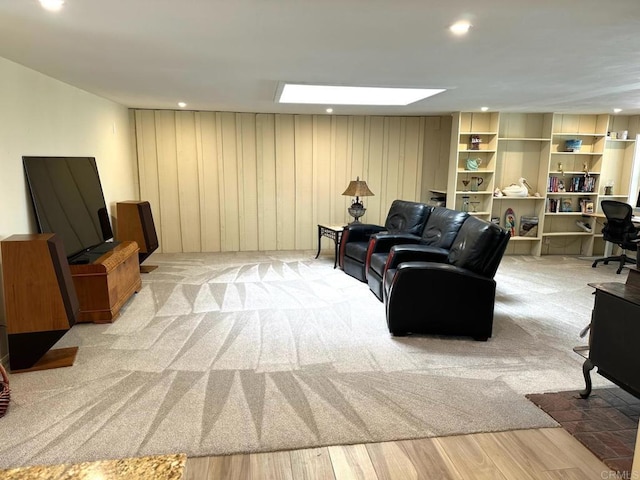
(378,261)
(357,250)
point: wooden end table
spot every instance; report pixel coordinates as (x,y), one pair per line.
(333,232)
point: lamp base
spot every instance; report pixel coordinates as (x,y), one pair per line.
(356,210)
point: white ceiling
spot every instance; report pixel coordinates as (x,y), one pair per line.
(527,56)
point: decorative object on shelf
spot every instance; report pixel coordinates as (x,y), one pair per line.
(561,168)
(528,226)
(465,184)
(465,203)
(475,183)
(520,190)
(474,205)
(474,142)
(510,221)
(613,135)
(572,145)
(623,135)
(473,163)
(585,169)
(5,391)
(584,226)
(357,188)
(608,187)
(438,201)
(498,193)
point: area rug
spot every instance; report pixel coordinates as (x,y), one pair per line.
(247,352)
(606,422)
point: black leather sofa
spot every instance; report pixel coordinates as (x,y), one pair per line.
(433,290)
(403,217)
(439,232)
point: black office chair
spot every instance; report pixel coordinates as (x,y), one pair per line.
(619,229)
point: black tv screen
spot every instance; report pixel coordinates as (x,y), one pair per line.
(68,201)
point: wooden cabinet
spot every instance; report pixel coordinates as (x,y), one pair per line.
(105,285)
(614,332)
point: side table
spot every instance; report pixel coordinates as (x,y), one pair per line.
(333,232)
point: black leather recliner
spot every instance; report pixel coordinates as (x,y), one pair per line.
(439,233)
(428,291)
(403,217)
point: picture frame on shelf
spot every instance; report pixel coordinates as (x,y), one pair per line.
(566,205)
(528,226)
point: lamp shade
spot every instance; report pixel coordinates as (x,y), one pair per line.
(358,188)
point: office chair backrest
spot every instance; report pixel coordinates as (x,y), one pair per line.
(619,228)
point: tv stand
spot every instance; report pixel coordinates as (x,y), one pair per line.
(105,284)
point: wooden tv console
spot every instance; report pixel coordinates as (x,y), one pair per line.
(105,285)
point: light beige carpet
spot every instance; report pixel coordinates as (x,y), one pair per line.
(223,353)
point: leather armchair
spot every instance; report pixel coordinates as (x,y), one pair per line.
(403,217)
(439,233)
(452,294)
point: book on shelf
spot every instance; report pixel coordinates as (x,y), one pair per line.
(586,205)
(585,184)
(528,226)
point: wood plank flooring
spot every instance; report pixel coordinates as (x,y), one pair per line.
(548,453)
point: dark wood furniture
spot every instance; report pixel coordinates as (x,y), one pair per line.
(134,222)
(40,301)
(614,334)
(334,232)
(105,285)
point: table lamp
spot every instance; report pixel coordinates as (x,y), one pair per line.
(357,188)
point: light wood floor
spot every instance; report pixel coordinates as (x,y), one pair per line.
(549,453)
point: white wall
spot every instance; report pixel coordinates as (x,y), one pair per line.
(42,116)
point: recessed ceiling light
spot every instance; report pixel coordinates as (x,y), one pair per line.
(329,110)
(460,28)
(182,104)
(484,109)
(52,5)
(617,110)
(339,95)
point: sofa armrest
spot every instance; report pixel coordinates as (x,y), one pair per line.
(383,241)
(412,253)
(360,232)
(357,232)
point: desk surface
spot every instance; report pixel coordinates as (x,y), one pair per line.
(634,219)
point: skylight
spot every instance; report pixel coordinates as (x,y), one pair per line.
(340,95)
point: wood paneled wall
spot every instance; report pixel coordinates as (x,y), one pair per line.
(221,181)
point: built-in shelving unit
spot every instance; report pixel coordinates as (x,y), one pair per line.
(523,151)
(477,184)
(566,187)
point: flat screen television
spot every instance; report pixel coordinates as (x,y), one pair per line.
(68,200)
